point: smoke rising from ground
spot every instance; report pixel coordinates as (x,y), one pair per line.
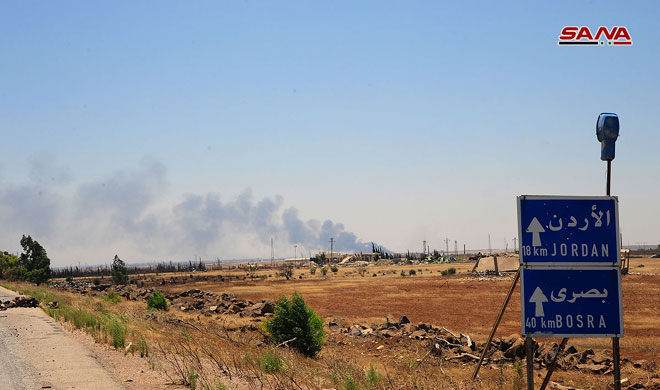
(125,213)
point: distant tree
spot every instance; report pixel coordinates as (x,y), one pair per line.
(287,271)
(119,271)
(34,261)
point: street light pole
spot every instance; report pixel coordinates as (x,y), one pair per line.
(607,132)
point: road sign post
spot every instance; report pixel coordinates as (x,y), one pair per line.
(570,276)
(568,230)
(576,302)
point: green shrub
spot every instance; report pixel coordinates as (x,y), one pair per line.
(412,272)
(96,281)
(157,301)
(271,362)
(403,273)
(112,297)
(298,324)
(444,272)
(451,271)
(334,268)
(312,271)
(324,271)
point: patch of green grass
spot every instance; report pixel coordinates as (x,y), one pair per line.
(143,347)
(349,383)
(118,332)
(373,377)
(192,379)
(271,362)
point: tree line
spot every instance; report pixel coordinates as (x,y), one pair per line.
(106,270)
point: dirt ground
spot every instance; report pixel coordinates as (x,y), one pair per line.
(461,302)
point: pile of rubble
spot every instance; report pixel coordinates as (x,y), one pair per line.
(462,348)
(19,301)
(225,303)
(205,302)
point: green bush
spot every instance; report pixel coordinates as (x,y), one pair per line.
(324,271)
(298,324)
(112,297)
(444,272)
(451,271)
(334,268)
(412,272)
(157,301)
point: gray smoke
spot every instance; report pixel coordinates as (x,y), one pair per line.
(127,212)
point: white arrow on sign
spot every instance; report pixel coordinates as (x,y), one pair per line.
(538,298)
(536,229)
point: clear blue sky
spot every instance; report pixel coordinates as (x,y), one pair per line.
(137,127)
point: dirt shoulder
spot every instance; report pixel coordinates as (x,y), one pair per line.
(41,354)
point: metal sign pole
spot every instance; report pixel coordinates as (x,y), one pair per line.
(607,132)
(615,339)
(552,366)
(529,354)
(497,322)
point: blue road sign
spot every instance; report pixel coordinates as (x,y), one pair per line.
(584,302)
(568,230)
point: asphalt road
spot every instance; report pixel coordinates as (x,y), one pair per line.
(35,353)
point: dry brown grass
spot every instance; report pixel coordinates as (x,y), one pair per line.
(460,303)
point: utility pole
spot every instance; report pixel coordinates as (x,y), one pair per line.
(332,242)
(446,247)
(272,253)
(490,249)
(424,246)
(515,247)
(456,247)
(295,247)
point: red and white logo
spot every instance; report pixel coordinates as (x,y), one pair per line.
(574,35)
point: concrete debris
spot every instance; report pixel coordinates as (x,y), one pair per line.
(460,347)
(206,302)
(19,301)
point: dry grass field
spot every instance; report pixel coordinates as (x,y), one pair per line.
(461,303)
